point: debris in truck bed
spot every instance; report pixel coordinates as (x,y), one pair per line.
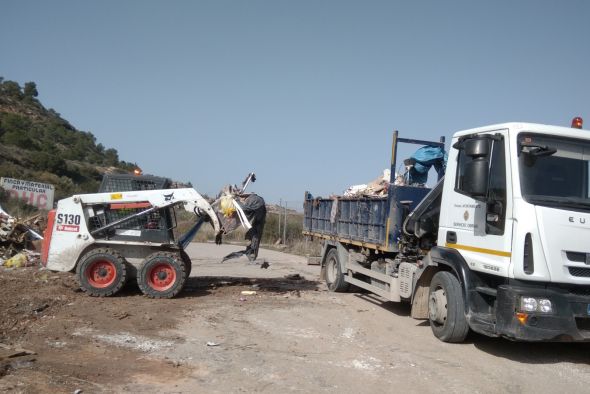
(377,188)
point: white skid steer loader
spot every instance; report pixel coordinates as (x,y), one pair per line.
(110,237)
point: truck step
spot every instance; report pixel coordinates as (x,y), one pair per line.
(388,295)
(392,294)
(487,290)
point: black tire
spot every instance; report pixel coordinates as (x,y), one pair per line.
(162,275)
(101,272)
(334,276)
(188,264)
(446,308)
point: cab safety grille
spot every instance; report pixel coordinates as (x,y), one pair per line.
(579,271)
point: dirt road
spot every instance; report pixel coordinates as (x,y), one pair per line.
(292,336)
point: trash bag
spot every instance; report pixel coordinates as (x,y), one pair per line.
(422,160)
(16,261)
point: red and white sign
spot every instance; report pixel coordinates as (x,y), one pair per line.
(37,194)
(68,227)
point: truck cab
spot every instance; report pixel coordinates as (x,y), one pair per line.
(516,212)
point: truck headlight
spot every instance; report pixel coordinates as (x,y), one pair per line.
(528,304)
(532,304)
(545,305)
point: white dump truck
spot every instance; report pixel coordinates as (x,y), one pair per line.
(500,246)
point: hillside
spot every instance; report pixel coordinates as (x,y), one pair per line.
(37,144)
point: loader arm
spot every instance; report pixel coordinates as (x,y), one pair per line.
(201,207)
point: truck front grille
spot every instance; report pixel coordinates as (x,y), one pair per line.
(579,271)
(576,256)
(583,323)
(580,290)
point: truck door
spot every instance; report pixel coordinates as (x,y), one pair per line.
(476,210)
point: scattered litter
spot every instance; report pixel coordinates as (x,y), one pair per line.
(242,299)
(248,292)
(40,276)
(79,391)
(16,236)
(255,286)
(15,357)
(212,343)
(16,261)
(263,263)
(121,315)
(57,344)
(125,339)
(294,277)
(41,308)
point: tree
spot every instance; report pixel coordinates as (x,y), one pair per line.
(111,157)
(31,89)
(15,138)
(12,89)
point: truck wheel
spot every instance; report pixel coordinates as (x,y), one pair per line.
(162,275)
(188,264)
(446,308)
(334,276)
(101,272)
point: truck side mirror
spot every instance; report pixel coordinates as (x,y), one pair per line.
(474,167)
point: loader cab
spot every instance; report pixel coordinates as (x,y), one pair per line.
(155,227)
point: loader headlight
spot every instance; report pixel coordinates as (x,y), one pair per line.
(532,304)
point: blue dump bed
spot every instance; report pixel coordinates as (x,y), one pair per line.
(372,222)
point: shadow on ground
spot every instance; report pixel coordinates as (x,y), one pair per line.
(533,352)
(524,352)
(203,284)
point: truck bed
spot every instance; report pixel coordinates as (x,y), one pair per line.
(374,222)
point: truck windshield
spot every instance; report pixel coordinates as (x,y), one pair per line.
(554,171)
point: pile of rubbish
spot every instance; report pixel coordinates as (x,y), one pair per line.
(375,188)
(416,169)
(20,240)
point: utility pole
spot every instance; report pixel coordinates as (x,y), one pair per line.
(285,225)
(279,215)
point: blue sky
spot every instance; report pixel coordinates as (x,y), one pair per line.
(304,93)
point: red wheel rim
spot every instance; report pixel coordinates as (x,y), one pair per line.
(161,276)
(101,273)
